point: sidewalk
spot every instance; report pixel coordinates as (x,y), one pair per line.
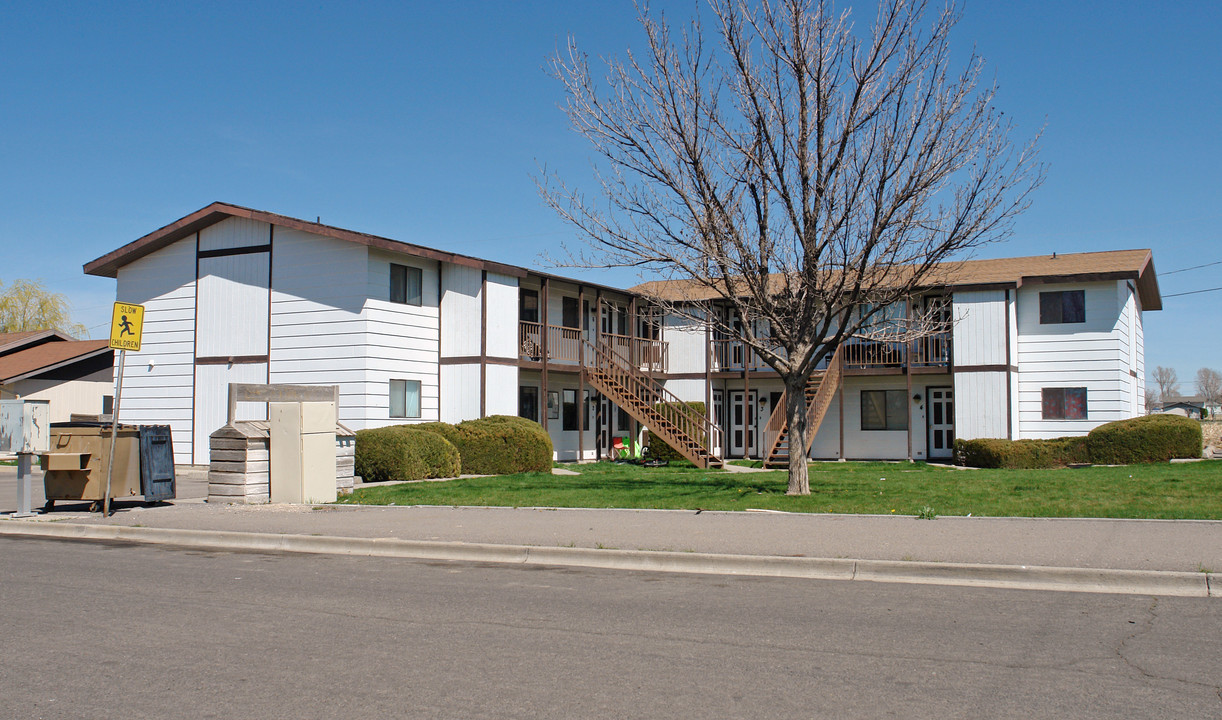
(1178,547)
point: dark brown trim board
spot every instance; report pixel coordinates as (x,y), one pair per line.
(226,252)
(231,360)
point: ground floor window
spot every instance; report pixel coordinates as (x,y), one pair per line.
(1064,403)
(528,402)
(884,410)
(570,410)
(405,398)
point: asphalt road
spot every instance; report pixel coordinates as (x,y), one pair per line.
(129,631)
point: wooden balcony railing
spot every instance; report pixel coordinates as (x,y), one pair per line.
(564,346)
(932,351)
(733,355)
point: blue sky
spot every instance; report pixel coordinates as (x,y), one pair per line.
(425,122)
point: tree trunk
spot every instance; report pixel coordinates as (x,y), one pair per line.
(795,409)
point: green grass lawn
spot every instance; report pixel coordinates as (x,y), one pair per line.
(1188,490)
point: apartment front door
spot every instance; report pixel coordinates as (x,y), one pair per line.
(941,423)
(742,433)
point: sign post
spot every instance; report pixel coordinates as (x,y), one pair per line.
(126,328)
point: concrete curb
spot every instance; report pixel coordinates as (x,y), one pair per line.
(1019,577)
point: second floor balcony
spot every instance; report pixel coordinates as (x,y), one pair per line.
(933,351)
(563,345)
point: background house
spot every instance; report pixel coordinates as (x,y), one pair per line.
(1184,406)
(74,375)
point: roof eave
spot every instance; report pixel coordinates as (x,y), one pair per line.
(108,265)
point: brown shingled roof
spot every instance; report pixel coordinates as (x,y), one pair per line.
(1135,265)
(17,340)
(47,356)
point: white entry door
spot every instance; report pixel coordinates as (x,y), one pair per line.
(941,423)
(742,434)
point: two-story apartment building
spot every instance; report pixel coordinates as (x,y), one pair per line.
(1038,347)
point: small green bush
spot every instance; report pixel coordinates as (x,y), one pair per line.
(1151,438)
(402,452)
(658,449)
(497,445)
(1020,454)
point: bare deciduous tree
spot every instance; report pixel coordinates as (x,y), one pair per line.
(1151,401)
(1168,383)
(804,175)
(1209,386)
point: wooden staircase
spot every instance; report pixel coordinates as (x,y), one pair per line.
(693,435)
(820,390)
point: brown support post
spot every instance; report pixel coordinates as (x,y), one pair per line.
(633,327)
(543,341)
(708,370)
(581,373)
(1009,374)
(748,406)
(841,393)
(908,386)
(483,345)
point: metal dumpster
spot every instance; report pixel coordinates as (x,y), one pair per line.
(75,466)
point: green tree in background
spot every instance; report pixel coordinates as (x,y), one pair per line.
(28,305)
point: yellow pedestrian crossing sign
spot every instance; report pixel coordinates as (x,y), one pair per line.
(126,324)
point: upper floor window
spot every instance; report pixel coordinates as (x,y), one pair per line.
(406,285)
(528,306)
(569,313)
(1064,403)
(1062,306)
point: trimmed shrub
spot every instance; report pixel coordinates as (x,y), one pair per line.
(1151,438)
(497,445)
(401,452)
(1020,454)
(658,449)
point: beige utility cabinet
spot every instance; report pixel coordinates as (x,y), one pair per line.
(302,452)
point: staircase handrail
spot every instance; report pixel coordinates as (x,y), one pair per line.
(672,410)
(778,421)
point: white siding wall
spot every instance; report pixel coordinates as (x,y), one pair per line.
(502,319)
(687,346)
(212,401)
(402,341)
(980,405)
(158,382)
(979,327)
(461,393)
(461,305)
(233,305)
(1139,353)
(234,232)
(1085,354)
(317,326)
(1015,418)
(502,390)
